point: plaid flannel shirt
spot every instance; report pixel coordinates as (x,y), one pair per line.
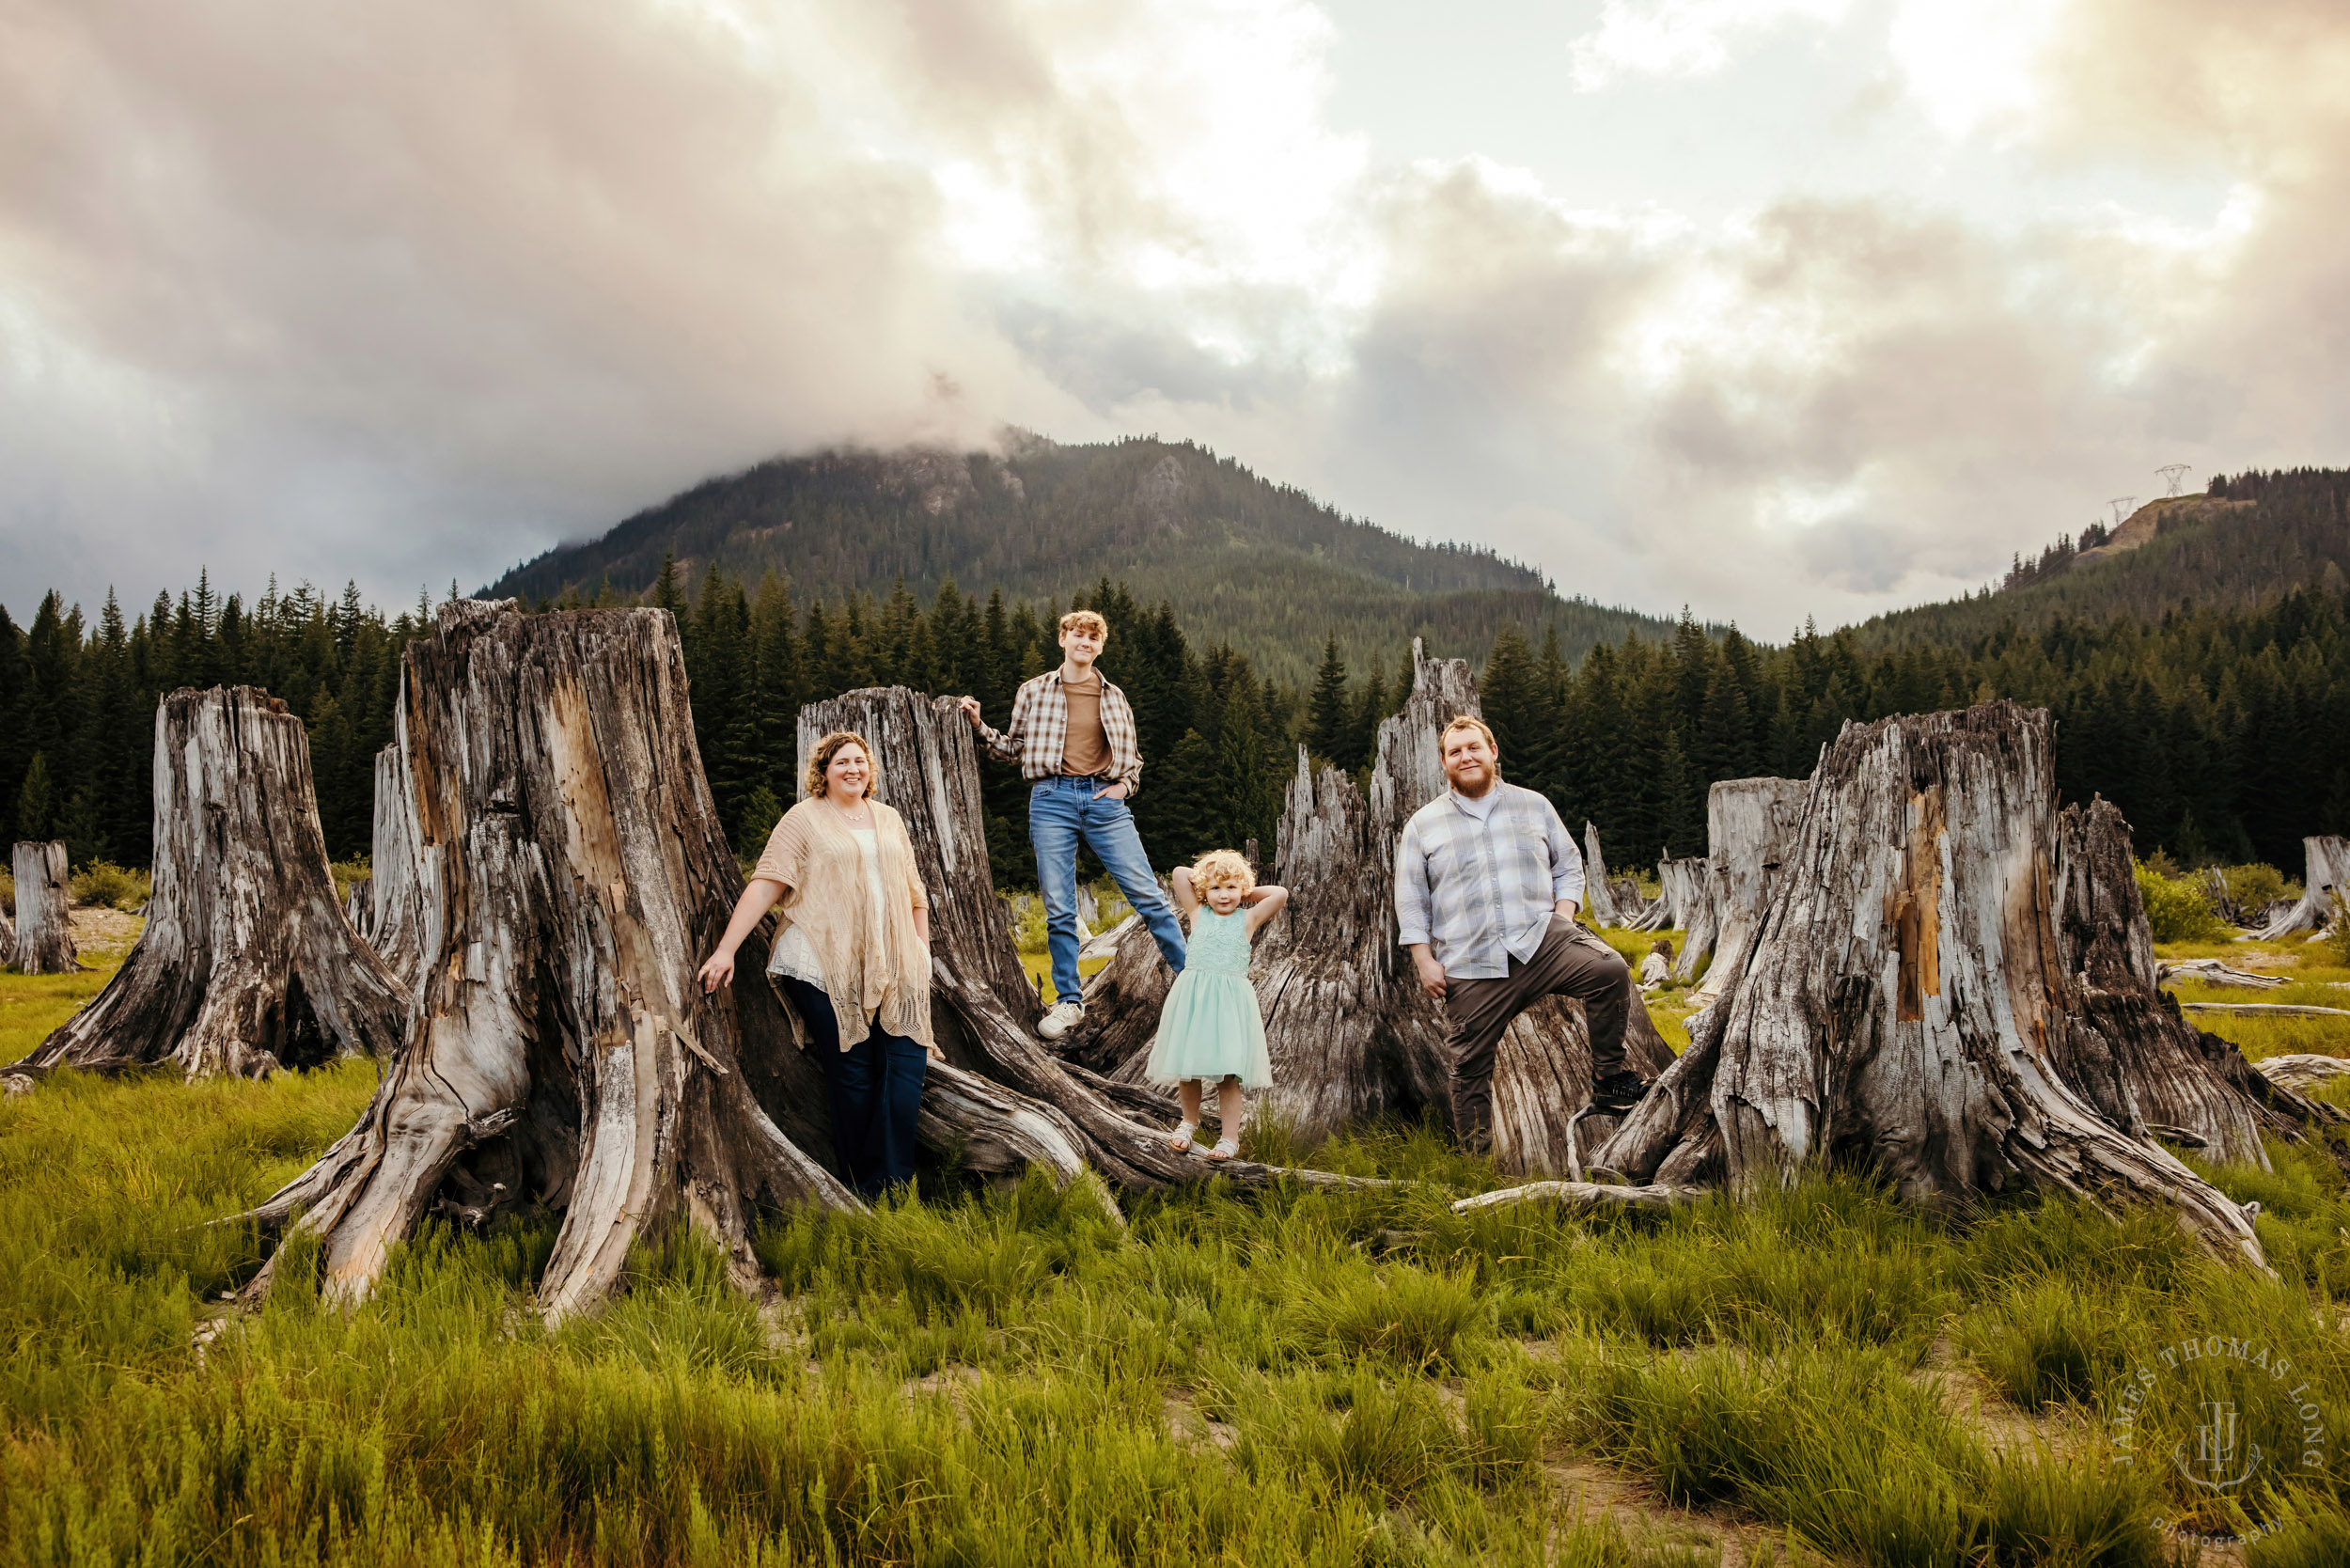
(1482,892)
(1038,736)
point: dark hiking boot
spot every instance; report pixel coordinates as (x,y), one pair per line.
(1617,1094)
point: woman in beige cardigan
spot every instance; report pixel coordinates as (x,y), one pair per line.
(853,957)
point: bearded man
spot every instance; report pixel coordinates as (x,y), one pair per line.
(1487,885)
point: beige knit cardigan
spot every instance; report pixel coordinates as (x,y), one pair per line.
(873,975)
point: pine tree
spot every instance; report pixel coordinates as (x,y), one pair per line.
(35,802)
(1329,725)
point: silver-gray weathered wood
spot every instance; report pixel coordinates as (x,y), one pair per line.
(246,963)
(1750,825)
(1900,1005)
(43,943)
(561,1057)
(2325,886)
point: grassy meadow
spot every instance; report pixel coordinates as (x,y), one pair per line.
(980,1377)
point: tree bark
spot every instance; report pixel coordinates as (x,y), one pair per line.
(1352,1037)
(395,890)
(983,1009)
(2125,1047)
(1750,826)
(246,964)
(359,908)
(1598,898)
(1543,1078)
(561,1056)
(1689,888)
(2325,878)
(43,944)
(1904,1006)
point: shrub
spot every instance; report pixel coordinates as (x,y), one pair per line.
(345,873)
(104,884)
(2177,909)
(2254,886)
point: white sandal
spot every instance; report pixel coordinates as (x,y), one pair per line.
(1225,1148)
(1181,1142)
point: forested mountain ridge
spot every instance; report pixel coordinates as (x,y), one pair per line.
(2246,543)
(1240,560)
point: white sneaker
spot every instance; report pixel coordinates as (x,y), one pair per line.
(1059,1019)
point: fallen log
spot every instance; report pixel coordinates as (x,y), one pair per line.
(246,963)
(1750,826)
(2303,1069)
(43,944)
(2268,1009)
(1598,901)
(2213,971)
(1585,1197)
(559,1057)
(2326,875)
(1898,1008)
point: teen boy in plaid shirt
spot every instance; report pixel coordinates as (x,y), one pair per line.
(1072,735)
(1487,883)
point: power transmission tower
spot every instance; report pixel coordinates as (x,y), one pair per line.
(2172,472)
(2120,505)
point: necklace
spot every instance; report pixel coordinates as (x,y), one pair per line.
(858,818)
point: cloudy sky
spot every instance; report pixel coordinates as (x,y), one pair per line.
(1774,307)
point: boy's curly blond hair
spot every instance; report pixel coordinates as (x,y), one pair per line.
(1219,867)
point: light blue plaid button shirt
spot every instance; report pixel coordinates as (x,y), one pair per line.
(1481,886)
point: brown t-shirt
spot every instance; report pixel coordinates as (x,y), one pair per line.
(1088,748)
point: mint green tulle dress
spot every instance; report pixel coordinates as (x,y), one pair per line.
(1209,1027)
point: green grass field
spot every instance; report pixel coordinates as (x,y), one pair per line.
(1004,1377)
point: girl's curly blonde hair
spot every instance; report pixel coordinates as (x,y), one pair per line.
(1219,868)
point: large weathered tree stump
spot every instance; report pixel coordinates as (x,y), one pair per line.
(43,944)
(1901,1004)
(396,893)
(1689,890)
(561,1056)
(2125,1048)
(2325,878)
(7,933)
(1351,1038)
(1750,825)
(1599,899)
(246,963)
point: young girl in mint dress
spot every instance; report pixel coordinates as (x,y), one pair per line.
(1209,1028)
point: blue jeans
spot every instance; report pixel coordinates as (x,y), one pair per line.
(874,1090)
(1061,813)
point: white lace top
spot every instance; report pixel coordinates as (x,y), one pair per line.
(794,955)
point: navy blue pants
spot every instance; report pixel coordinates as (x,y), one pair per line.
(874,1089)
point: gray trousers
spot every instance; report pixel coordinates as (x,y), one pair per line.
(1570,962)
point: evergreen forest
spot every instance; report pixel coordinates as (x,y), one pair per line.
(2222,730)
